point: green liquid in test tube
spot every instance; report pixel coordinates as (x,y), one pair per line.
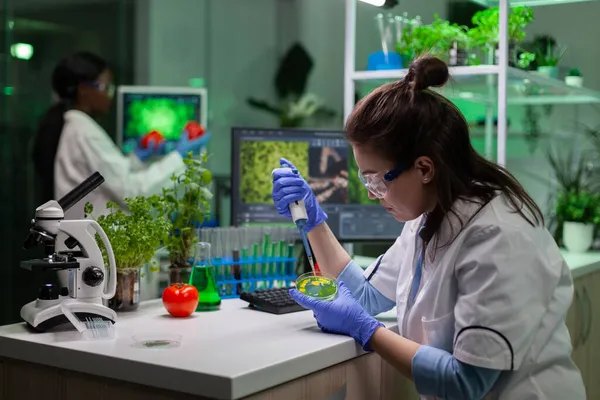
(264,266)
(282,249)
(203,279)
(273,264)
(245,269)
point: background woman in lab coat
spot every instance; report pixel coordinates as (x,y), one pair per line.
(480,286)
(70,145)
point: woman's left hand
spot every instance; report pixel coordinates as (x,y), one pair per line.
(341,316)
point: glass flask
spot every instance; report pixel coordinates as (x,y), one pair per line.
(203,279)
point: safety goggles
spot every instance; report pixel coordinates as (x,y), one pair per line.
(107,88)
(376,183)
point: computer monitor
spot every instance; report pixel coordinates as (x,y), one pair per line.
(143,109)
(325,159)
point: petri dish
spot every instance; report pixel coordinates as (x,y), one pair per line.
(318,285)
(157,340)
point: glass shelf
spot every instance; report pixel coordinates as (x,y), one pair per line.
(529,3)
(479,84)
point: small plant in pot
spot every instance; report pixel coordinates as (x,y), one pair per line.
(574,78)
(580,213)
(187,204)
(547,60)
(135,234)
(486,32)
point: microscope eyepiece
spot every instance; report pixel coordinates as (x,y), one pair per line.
(81,190)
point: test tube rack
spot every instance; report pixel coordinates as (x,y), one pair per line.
(246,259)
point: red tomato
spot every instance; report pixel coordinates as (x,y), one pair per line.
(194,130)
(155,136)
(180,299)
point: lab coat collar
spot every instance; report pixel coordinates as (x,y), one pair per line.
(463,212)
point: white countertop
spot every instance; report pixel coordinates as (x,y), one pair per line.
(579,263)
(228,354)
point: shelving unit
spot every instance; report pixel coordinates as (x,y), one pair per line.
(494,85)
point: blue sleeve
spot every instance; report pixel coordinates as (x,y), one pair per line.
(437,373)
(368,297)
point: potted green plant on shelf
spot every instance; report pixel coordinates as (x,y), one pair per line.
(485,32)
(187,205)
(442,39)
(135,234)
(580,214)
(576,203)
(548,59)
(574,78)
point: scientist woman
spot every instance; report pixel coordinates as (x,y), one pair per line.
(70,146)
(480,287)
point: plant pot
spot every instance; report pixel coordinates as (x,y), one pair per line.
(512,56)
(127,296)
(458,57)
(548,71)
(576,81)
(577,236)
(179,274)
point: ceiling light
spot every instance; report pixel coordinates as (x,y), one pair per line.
(381,3)
(22,51)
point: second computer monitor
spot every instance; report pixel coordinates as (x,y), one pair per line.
(167,110)
(325,160)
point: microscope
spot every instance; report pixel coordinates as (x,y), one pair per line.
(87,282)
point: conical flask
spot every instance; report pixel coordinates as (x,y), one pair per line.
(203,279)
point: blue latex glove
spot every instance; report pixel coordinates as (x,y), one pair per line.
(343,316)
(289,187)
(144,154)
(185,145)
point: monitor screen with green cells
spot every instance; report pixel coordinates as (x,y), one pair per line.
(142,110)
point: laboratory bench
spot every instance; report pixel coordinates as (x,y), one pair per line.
(239,353)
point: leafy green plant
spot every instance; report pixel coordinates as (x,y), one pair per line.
(186,203)
(525,60)
(550,57)
(582,206)
(294,106)
(436,38)
(134,234)
(487,23)
(573,175)
(574,72)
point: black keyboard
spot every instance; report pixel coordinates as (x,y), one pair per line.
(275,301)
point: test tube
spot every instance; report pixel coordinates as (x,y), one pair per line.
(236,267)
(245,258)
(255,257)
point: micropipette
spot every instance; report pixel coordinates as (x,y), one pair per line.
(300,217)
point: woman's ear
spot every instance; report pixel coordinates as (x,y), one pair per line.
(426,168)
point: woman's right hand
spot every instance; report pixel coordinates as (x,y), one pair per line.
(289,187)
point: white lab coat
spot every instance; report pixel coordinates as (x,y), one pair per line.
(496,297)
(85,148)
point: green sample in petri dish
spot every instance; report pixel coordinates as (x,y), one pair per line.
(203,279)
(317,285)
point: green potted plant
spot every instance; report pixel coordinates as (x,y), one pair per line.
(574,78)
(187,204)
(580,213)
(442,39)
(486,32)
(135,234)
(548,59)
(574,177)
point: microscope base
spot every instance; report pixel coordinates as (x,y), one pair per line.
(44,315)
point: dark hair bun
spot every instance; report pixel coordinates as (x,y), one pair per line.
(428,71)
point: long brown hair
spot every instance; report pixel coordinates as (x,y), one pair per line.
(404,120)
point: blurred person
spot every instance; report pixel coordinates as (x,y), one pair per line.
(70,145)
